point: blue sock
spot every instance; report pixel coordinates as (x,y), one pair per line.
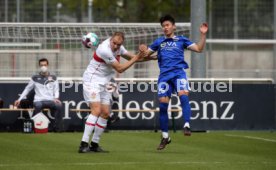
(163,117)
(186,108)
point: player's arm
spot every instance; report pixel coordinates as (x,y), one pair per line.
(143,57)
(199,46)
(124,66)
(128,56)
(148,57)
(151,57)
(146,53)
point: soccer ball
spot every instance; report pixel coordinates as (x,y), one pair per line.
(90,39)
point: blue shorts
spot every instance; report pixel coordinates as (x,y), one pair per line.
(173,81)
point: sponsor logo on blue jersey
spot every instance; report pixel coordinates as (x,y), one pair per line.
(168,44)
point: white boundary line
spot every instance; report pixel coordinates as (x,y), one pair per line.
(252,137)
(124,163)
(102,163)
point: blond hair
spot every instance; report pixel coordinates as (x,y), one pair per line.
(120,34)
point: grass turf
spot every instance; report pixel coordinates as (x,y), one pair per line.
(132,150)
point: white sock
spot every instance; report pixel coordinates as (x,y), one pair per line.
(89,127)
(99,129)
(165,134)
(187,124)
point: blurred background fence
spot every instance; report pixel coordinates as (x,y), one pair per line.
(241,38)
(23,44)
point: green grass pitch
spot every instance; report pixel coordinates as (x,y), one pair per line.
(134,150)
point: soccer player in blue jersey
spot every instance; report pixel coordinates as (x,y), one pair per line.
(173,78)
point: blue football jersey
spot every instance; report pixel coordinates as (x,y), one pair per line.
(170,52)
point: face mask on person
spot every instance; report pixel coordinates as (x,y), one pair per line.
(43,69)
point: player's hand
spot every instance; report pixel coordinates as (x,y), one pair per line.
(140,56)
(143,50)
(203,28)
(17,103)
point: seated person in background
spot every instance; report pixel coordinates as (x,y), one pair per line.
(46,90)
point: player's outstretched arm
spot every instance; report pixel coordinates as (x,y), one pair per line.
(199,46)
(146,53)
(124,66)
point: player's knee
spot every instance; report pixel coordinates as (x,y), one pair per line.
(96,111)
(95,108)
(164,99)
(105,115)
(183,92)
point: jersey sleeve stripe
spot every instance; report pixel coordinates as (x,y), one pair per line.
(97,58)
(151,50)
(191,45)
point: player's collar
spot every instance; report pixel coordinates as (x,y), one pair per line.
(174,37)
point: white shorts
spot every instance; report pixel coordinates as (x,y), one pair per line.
(93,92)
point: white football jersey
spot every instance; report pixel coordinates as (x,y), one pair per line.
(99,69)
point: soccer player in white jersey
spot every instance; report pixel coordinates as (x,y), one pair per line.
(97,76)
(173,78)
